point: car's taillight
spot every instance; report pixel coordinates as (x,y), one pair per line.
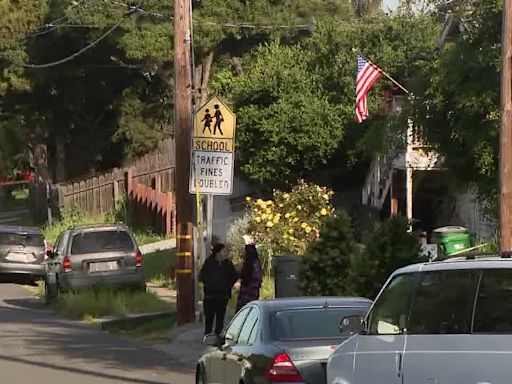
(282,370)
(66,264)
(138,258)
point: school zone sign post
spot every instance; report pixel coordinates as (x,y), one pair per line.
(213,149)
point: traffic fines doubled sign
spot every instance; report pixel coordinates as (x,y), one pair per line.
(213,149)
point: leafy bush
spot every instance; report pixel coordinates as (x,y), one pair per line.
(291,220)
(73,217)
(68,218)
(388,248)
(325,267)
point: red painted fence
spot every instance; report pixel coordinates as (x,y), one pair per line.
(150,207)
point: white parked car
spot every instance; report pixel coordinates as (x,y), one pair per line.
(436,323)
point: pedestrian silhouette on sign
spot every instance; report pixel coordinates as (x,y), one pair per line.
(218,120)
(207,121)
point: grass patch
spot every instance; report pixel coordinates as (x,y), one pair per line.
(37,290)
(69,219)
(156,265)
(150,327)
(146,236)
(94,303)
(267,291)
(74,217)
(12,199)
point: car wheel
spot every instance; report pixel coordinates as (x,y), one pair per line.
(200,375)
(51,292)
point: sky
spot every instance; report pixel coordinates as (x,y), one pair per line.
(392,4)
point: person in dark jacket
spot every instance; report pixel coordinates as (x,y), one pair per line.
(218,276)
(251,276)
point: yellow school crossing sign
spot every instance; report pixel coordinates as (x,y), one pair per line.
(213,149)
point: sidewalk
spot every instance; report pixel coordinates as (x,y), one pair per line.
(185,343)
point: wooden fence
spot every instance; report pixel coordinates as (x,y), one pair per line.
(150,207)
(104,193)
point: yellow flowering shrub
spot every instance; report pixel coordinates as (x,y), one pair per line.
(291,220)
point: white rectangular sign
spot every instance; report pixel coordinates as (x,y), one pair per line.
(212,172)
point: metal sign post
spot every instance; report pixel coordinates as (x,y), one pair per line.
(212,162)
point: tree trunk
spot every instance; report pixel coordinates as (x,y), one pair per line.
(237,65)
(201,80)
(60,158)
(205,78)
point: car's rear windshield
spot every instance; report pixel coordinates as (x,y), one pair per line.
(101,241)
(300,324)
(25,240)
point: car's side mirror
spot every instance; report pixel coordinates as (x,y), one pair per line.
(352,325)
(213,340)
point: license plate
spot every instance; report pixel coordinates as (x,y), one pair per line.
(20,257)
(103,267)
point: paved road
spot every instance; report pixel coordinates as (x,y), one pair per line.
(11,217)
(36,346)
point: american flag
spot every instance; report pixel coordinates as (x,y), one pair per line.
(367,75)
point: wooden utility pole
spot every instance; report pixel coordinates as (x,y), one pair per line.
(183,134)
(506,134)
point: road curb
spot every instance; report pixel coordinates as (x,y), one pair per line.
(132,319)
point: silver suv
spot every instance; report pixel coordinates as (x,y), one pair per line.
(438,323)
(22,253)
(94,255)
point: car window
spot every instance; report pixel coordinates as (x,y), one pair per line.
(389,314)
(443,302)
(101,241)
(25,240)
(249,325)
(494,302)
(235,326)
(254,333)
(313,323)
(61,246)
(57,244)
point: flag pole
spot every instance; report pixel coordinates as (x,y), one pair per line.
(409,183)
(383,72)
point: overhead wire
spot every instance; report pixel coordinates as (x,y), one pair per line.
(131,10)
(227,24)
(52,25)
(78,53)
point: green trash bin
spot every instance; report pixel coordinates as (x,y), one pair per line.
(451,239)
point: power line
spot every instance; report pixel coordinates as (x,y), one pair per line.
(227,25)
(78,53)
(136,8)
(51,26)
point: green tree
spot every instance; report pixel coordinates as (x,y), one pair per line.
(295,103)
(324,269)
(390,247)
(457,98)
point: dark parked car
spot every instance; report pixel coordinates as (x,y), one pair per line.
(286,340)
(94,255)
(22,253)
